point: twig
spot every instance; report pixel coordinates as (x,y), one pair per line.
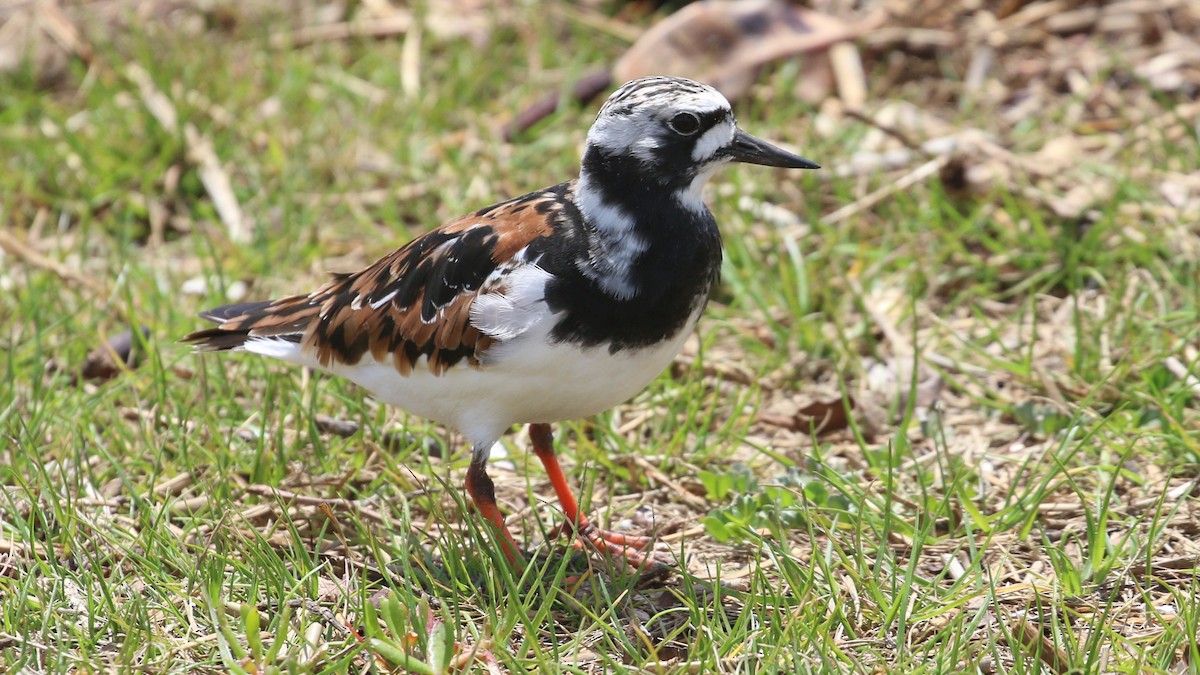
(330,619)
(594,20)
(156,102)
(903,183)
(584,89)
(849,74)
(923,39)
(31,257)
(1172,497)
(199,152)
(60,28)
(396,24)
(25,548)
(1180,371)
(681,492)
(390,440)
(308,500)
(1029,636)
(27,255)
(905,140)
(216,183)
(410,63)
(757,54)
(355,85)
(174,485)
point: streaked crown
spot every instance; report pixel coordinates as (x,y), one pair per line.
(663,92)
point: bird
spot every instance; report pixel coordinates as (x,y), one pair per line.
(551,306)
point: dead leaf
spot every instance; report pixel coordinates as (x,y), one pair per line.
(107,361)
(1027,631)
(819,416)
(825,416)
(1077,200)
(893,381)
(1056,156)
(725,42)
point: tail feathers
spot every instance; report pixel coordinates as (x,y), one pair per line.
(285,319)
(235,311)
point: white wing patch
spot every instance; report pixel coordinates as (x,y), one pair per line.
(516,305)
(383,301)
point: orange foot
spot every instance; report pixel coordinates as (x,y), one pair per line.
(620,545)
(617,545)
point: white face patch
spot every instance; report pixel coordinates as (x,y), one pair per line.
(713,140)
(645,149)
(633,134)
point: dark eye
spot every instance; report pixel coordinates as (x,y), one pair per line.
(684,124)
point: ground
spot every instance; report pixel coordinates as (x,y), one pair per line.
(940,416)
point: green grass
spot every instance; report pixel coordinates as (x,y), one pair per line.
(1050,485)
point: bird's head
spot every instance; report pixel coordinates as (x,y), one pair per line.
(674,133)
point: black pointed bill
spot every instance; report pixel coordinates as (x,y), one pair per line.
(747,148)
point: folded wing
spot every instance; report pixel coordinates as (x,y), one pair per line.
(441,300)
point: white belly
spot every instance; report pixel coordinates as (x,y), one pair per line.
(525,380)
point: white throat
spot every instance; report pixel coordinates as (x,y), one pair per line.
(692,196)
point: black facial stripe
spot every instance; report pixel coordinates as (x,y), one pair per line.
(712,118)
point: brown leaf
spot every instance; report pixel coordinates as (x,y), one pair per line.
(1029,635)
(819,416)
(111,358)
(724,42)
(825,416)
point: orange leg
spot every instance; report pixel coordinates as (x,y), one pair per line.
(483,494)
(614,543)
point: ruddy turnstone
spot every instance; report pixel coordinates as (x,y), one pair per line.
(554,305)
